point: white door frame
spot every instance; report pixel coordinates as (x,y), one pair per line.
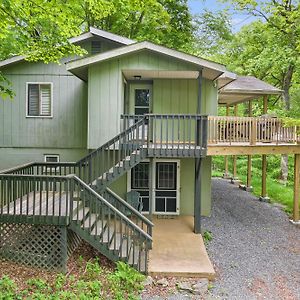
(177,161)
(132,88)
(156,160)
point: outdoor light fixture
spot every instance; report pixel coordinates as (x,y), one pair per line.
(137,77)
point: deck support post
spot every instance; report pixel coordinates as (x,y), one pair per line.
(235,179)
(248,187)
(226,174)
(197,197)
(197,189)
(151,187)
(263,196)
(296,217)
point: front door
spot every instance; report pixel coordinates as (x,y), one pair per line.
(166,188)
(140,99)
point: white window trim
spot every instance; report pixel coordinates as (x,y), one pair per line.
(51,102)
(52,155)
(47,170)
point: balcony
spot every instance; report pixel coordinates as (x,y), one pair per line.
(251,135)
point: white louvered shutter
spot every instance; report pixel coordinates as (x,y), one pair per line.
(33,99)
(45,98)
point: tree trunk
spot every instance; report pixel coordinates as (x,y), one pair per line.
(287,81)
(284,168)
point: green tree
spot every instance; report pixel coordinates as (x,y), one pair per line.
(40,30)
(167,22)
(280,34)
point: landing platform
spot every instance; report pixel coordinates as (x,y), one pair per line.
(177,251)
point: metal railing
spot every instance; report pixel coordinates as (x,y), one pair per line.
(111,228)
(181,134)
(142,222)
(250,130)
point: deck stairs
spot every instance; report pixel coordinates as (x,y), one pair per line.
(98,215)
(91,209)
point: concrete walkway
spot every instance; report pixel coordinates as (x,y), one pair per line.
(255,250)
(177,251)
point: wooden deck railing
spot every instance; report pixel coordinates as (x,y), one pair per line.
(250,130)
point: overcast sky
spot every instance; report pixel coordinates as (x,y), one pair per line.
(238,19)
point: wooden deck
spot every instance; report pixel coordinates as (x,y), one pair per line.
(244,148)
(38,207)
(36,204)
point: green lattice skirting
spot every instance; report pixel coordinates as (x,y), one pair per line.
(42,246)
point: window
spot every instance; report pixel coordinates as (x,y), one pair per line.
(51,158)
(139,176)
(39,99)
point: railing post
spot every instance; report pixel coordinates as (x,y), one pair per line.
(71,186)
(204,121)
(253,131)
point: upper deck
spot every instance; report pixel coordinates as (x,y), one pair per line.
(251,135)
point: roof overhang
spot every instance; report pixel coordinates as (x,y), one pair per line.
(210,70)
(245,88)
(102,34)
(93,32)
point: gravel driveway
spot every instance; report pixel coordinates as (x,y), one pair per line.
(255,250)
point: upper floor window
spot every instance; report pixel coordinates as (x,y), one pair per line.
(39,99)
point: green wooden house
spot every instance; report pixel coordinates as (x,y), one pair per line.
(105,143)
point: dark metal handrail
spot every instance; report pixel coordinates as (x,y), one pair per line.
(63,200)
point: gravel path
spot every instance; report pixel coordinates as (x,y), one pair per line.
(255,250)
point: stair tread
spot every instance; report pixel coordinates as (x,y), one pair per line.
(79,214)
(90,220)
(97,230)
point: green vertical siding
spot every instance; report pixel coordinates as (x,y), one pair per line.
(106,91)
(187,175)
(11,157)
(67,128)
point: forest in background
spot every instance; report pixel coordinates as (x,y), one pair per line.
(267,48)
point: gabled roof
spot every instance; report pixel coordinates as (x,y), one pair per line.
(102,34)
(211,70)
(85,36)
(245,88)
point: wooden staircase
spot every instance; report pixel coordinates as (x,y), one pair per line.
(79,192)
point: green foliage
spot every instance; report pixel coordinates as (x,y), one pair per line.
(7,288)
(93,270)
(213,33)
(269,48)
(91,283)
(207,236)
(126,279)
